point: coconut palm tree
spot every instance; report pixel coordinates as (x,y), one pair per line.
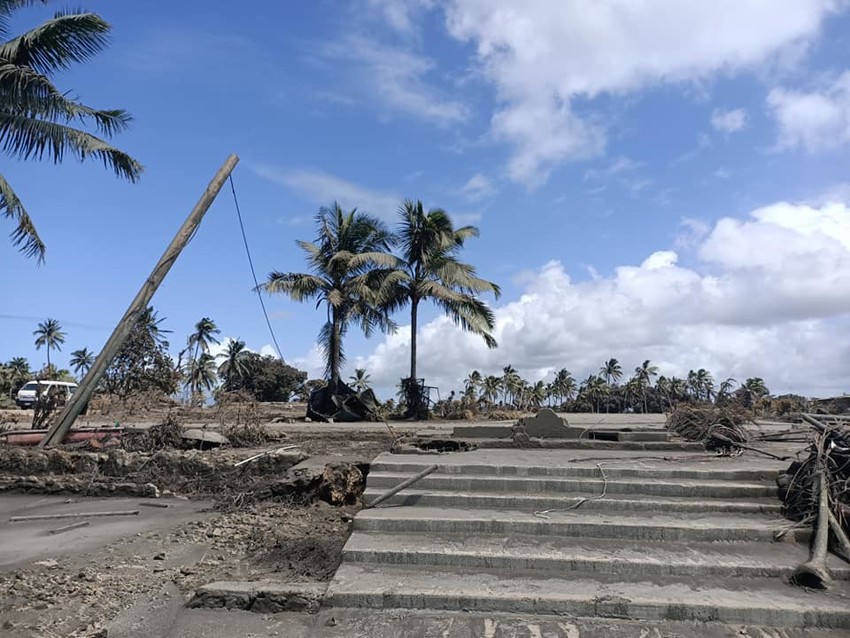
(36,117)
(511,383)
(49,333)
(233,367)
(203,337)
(490,389)
(643,375)
(151,324)
(611,370)
(350,263)
(82,361)
(430,269)
(20,367)
(201,373)
(705,383)
(360,379)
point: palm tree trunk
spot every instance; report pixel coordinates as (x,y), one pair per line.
(335,347)
(48,359)
(414,307)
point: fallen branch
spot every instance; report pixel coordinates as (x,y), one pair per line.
(262,454)
(68,528)
(814,573)
(50,517)
(398,488)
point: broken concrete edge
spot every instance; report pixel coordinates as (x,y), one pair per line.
(265,597)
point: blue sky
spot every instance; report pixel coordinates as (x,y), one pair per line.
(651,180)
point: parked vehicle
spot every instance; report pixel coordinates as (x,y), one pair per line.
(31,390)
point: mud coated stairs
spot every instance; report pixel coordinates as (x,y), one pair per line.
(674,538)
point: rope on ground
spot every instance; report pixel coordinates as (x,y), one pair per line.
(580,500)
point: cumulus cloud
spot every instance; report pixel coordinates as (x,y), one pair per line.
(477,188)
(813,121)
(547,59)
(323,188)
(768,295)
(730,121)
(394,78)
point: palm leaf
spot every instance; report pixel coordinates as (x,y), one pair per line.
(26,92)
(58,43)
(26,137)
(299,286)
(25,236)
(8,7)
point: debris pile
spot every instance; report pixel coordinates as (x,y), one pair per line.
(342,404)
(716,427)
(816,492)
(163,436)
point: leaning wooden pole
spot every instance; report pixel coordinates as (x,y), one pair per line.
(78,400)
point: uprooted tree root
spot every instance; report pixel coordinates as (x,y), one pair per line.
(716,427)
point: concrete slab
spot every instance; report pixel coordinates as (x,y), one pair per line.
(259,596)
(625,505)
(601,557)
(756,601)
(648,527)
(579,485)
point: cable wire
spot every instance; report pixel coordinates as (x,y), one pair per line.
(254,272)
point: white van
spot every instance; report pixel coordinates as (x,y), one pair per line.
(28,394)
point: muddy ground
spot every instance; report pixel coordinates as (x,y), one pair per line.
(284,516)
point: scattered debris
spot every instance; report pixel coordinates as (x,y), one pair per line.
(717,428)
(202,439)
(163,436)
(342,404)
(816,491)
(265,597)
(262,454)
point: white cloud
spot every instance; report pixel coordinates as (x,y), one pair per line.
(545,57)
(401,15)
(814,121)
(767,296)
(730,121)
(477,188)
(394,78)
(323,189)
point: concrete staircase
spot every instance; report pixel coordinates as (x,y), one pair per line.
(681,537)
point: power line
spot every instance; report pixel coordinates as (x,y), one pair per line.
(254,272)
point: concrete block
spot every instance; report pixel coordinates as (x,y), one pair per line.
(265,597)
(546,425)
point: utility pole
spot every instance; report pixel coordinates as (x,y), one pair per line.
(57,432)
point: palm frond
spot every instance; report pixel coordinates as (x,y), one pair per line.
(299,286)
(8,7)
(32,94)
(26,137)
(66,39)
(24,236)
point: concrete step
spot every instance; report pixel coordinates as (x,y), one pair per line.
(647,527)
(536,502)
(533,484)
(557,556)
(586,444)
(505,431)
(751,601)
(338,622)
(613,469)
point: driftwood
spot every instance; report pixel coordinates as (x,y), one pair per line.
(816,490)
(398,488)
(50,517)
(717,428)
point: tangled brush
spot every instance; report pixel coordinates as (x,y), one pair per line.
(718,428)
(162,436)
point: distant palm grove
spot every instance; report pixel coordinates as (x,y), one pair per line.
(606,391)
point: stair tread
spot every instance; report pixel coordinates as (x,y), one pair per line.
(372,492)
(691,520)
(669,553)
(745,593)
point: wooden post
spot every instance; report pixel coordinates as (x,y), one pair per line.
(74,406)
(398,488)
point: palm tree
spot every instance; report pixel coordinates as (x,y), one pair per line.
(611,370)
(49,333)
(350,266)
(233,367)
(705,383)
(643,375)
(151,324)
(35,116)
(82,361)
(201,373)
(511,382)
(360,379)
(203,337)
(490,389)
(538,394)
(20,367)
(429,269)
